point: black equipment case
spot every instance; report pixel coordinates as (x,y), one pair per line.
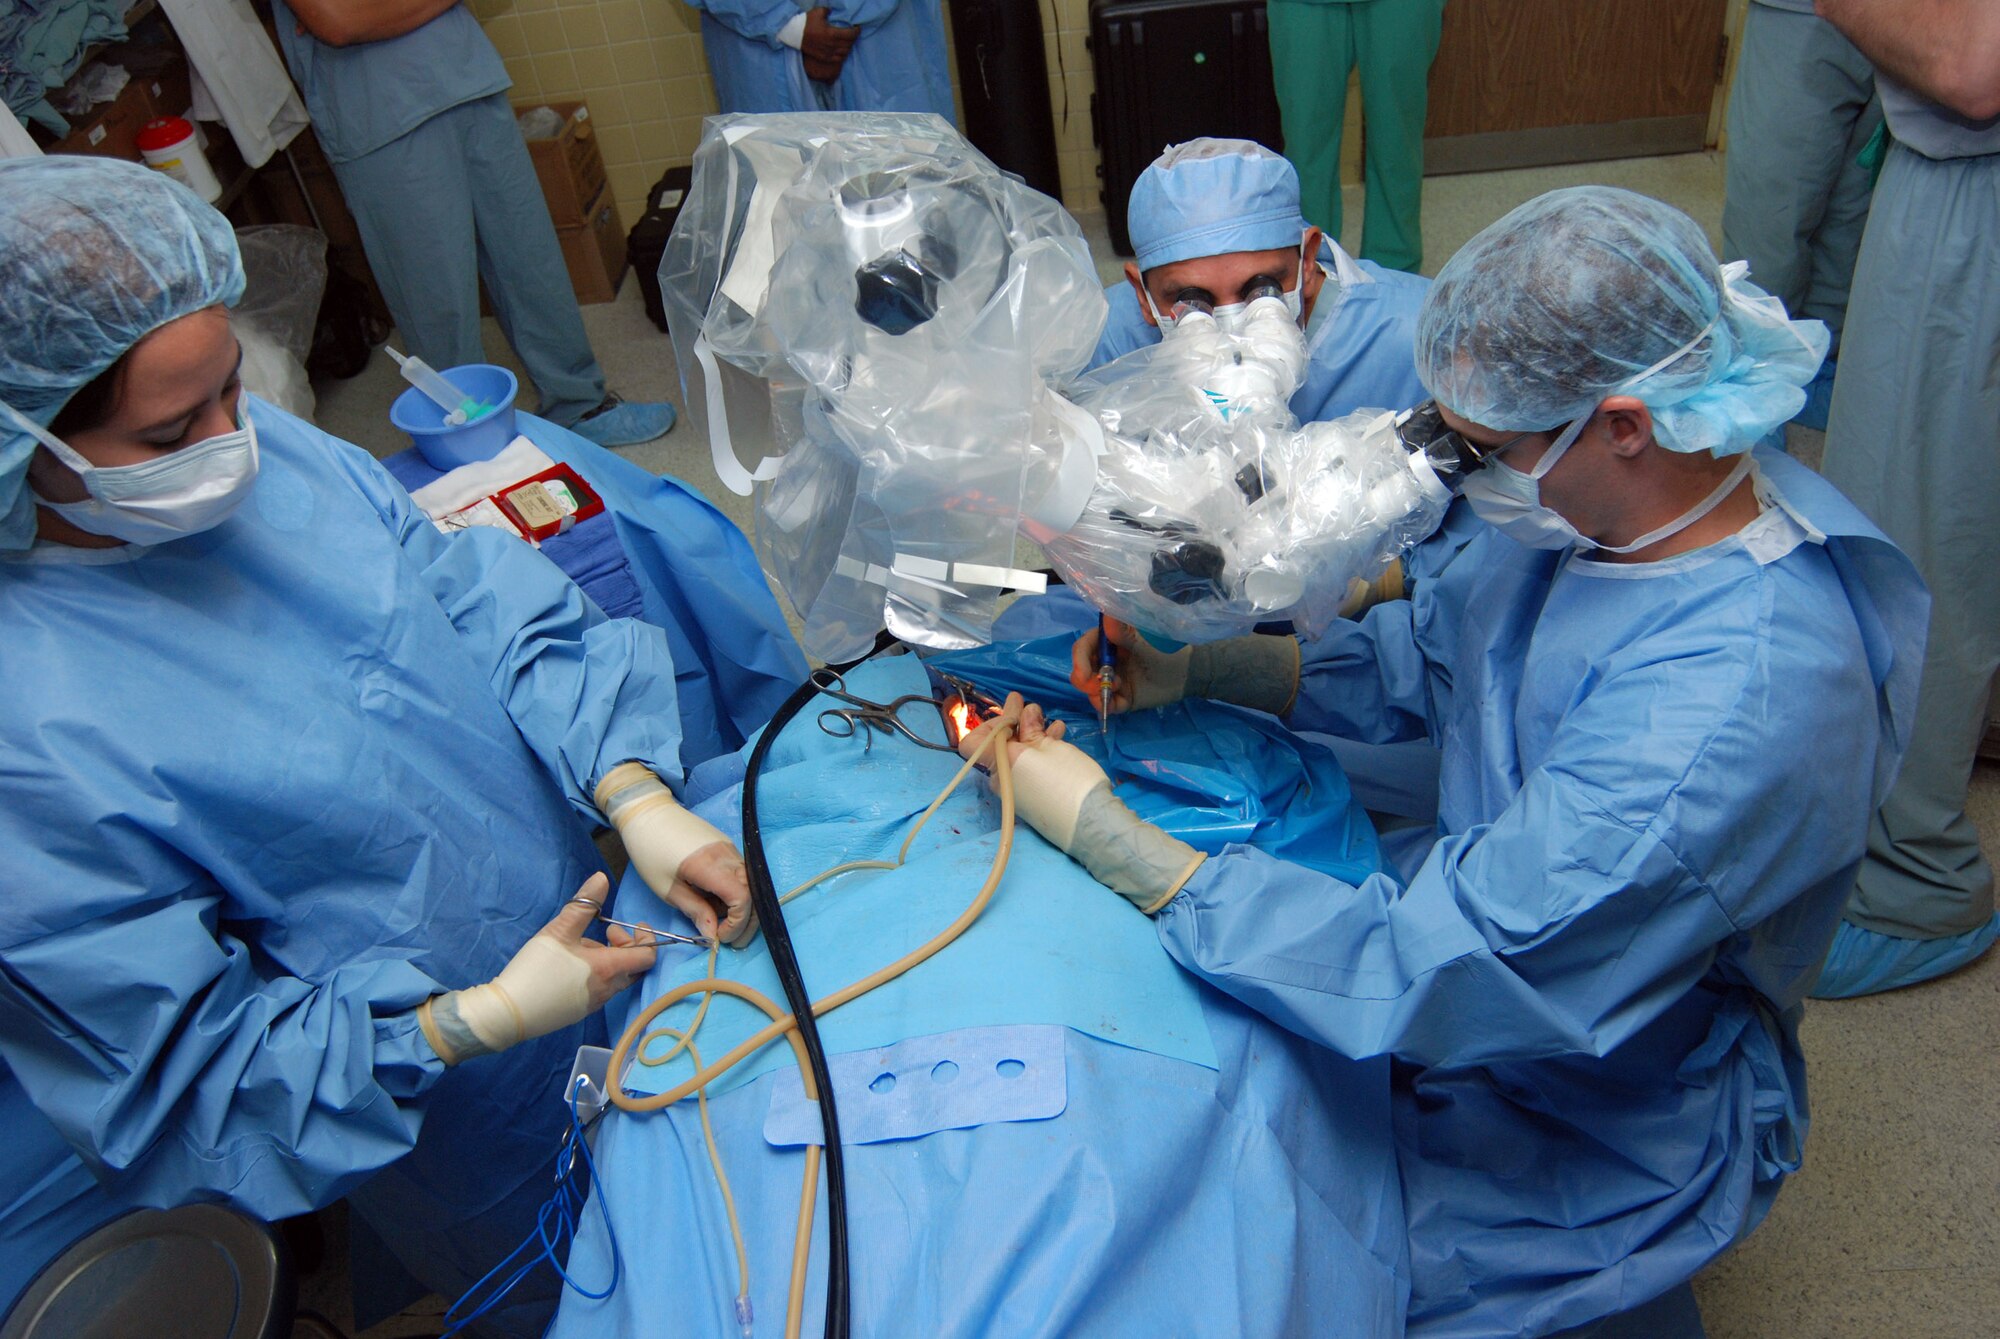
(647,241)
(1173,70)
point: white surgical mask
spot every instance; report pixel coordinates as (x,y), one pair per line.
(1511,502)
(181,493)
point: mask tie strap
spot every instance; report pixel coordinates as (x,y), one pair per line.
(1674,357)
(1563,443)
(63,451)
(1688,518)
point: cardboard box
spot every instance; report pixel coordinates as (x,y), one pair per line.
(112,130)
(595,251)
(570,164)
(159,87)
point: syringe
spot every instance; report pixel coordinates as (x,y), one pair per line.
(458,407)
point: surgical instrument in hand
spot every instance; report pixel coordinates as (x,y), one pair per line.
(659,936)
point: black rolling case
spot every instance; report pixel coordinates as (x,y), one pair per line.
(1173,70)
(647,241)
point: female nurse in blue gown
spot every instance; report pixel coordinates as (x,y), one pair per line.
(296,791)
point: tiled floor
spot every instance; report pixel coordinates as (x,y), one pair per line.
(1892,1229)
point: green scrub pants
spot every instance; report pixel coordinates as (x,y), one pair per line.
(1801,109)
(1314,44)
(1914,439)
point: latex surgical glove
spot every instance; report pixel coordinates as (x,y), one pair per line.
(824,47)
(558,978)
(1061,792)
(1259,672)
(1365,595)
(686,860)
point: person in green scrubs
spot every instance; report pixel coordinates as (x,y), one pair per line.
(1314,44)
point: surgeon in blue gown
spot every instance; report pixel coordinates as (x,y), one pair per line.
(1212,215)
(289,779)
(1671,679)
(851,56)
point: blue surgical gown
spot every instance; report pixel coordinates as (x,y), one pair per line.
(262,791)
(897,64)
(1360,338)
(1657,781)
(662,552)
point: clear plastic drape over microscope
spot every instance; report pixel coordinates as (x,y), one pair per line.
(880,332)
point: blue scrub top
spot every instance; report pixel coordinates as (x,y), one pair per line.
(1361,338)
(271,786)
(1932,130)
(1656,788)
(362,97)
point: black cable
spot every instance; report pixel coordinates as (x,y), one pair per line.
(771,916)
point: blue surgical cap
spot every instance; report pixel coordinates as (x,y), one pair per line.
(1590,292)
(1209,197)
(95,254)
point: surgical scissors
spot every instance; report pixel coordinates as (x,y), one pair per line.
(861,713)
(658,936)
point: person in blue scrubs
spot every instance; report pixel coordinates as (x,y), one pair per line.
(1915,420)
(1671,679)
(852,56)
(1801,110)
(290,780)
(1213,215)
(409,100)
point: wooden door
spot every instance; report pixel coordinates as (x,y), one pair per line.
(1518,83)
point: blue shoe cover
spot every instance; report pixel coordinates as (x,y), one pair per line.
(1862,962)
(627,423)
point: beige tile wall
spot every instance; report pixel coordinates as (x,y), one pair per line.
(639,65)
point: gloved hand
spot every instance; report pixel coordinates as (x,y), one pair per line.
(1258,672)
(685,859)
(1365,595)
(558,978)
(1063,794)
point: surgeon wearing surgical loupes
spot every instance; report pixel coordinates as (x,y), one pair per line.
(1590,969)
(1214,223)
(290,782)
(1214,218)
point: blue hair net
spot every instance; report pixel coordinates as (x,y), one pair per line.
(1209,197)
(95,254)
(1590,292)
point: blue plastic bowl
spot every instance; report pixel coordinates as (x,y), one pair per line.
(482,439)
